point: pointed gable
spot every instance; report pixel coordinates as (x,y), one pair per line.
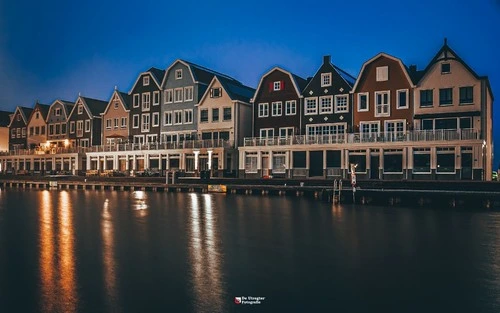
(234,89)
(122,97)
(42,108)
(340,80)
(24,112)
(154,73)
(298,82)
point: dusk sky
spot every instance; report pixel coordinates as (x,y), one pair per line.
(55,49)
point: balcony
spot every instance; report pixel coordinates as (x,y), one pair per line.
(358,138)
(187,144)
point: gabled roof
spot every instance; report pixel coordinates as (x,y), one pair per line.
(124,100)
(381,54)
(43,108)
(234,89)
(4,118)
(95,106)
(25,113)
(348,78)
(67,106)
(298,82)
(198,73)
(155,73)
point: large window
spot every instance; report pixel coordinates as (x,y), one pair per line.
(204,116)
(279,165)
(393,161)
(359,159)
(446,96)
(251,162)
(178,94)
(341,104)
(422,160)
(382,103)
(445,123)
(291,107)
(267,132)
(145,122)
(215,114)
(169,96)
(188,116)
(325,105)
(188,93)
(277,108)
(426,98)
(285,132)
(311,106)
(402,101)
(326,129)
(362,102)
(226,114)
(445,160)
(135,121)
(263,109)
(167,118)
(146,97)
(466,95)
(178,117)
(395,129)
(369,129)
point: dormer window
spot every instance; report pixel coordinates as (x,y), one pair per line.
(326,79)
(445,68)
(145,81)
(382,73)
(116,105)
(215,92)
(178,74)
(277,86)
(37,115)
(80,109)
(58,112)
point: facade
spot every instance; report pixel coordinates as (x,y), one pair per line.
(115,119)
(452,101)
(85,122)
(37,125)
(17,128)
(144,124)
(57,124)
(5,117)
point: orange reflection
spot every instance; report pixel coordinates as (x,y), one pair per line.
(107,232)
(46,252)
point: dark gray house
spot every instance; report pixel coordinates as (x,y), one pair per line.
(85,122)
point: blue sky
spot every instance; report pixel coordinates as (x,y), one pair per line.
(55,49)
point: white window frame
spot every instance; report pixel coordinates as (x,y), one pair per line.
(124,122)
(108,123)
(398,107)
(338,109)
(188,116)
(167,118)
(326,129)
(178,74)
(286,130)
(72,127)
(277,108)
(135,101)
(156,115)
(325,76)
(394,132)
(176,120)
(145,81)
(370,131)
(263,109)
(145,122)
(80,108)
(291,107)
(322,109)
(277,85)
(388,104)
(266,131)
(136,121)
(312,110)
(87,126)
(57,113)
(223,116)
(382,73)
(367,94)
(188,91)
(146,101)
(156,97)
(116,123)
(180,92)
(168,96)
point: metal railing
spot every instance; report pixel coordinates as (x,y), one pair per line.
(410,136)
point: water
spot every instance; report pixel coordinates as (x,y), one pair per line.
(112,251)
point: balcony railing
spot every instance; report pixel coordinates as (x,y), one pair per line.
(410,136)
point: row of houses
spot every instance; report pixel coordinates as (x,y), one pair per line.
(392,121)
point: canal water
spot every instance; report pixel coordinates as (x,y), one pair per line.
(116,251)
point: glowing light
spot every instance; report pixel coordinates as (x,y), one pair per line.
(66,142)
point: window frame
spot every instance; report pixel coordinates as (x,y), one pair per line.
(407,99)
(329,77)
(367,95)
(263,109)
(388,104)
(276,108)
(313,110)
(291,105)
(336,105)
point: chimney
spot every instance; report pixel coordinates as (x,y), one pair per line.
(326,59)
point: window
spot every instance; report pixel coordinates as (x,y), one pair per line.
(445,123)
(326,79)
(188,116)
(80,109)
(146,97)
(116,104)
(145,81)
(445,160)
(18,133)
(363,102)
(226,114)
(277,85)
(277,108)
(24,132)
(117,122)
(79,127)
(325,105)
(426,98)
(279,165)
(465,122)
(87,126)
(169,97)
(58,112)
(446,96)
(393,161)
(188,93)
(177,117)
(178,94)
(382,103)
(263,109)
(136,100)
(466,95)
(135,121)
(108,123)
(341,104)
(286,132)
(58,129)
(421,160)
(124,122)
(369,129)
(43,130)
(63,128)
(215,92)
(311,106)
(215,114)
(394,129)
(156,98)
(267,132)
(145,122)
(204,116)
(156,119)
(402,100)
(37,130)
(178,74)
(382,73)
(326,129)
(445,68)
(19,117)
(358,157)
(13,133)
(51,129)
(167,118)
(291,107)
(72,127)
(251,162)
(31,132)
(37,115)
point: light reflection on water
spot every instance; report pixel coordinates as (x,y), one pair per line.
(108,254)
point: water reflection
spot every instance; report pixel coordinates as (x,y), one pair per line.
(205,253)
(140,203)
(57,263)
(108,254)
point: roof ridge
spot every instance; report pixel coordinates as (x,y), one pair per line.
(206,69)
